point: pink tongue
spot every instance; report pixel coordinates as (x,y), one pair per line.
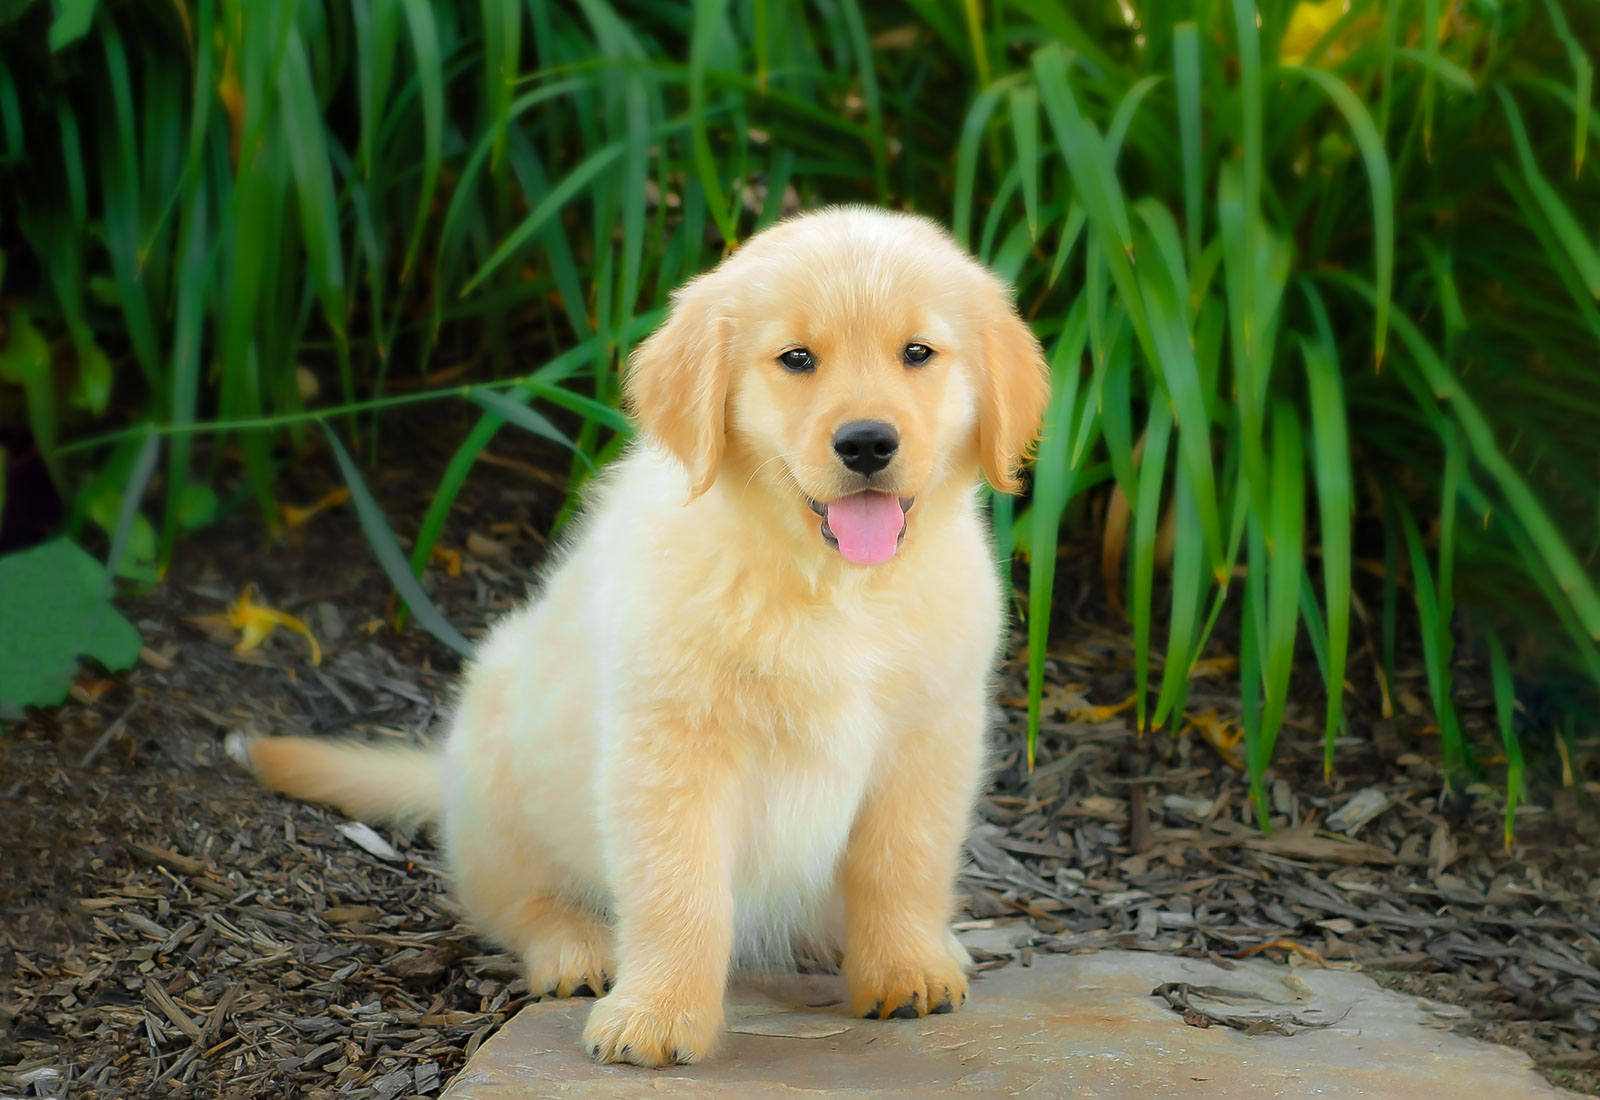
(868,526)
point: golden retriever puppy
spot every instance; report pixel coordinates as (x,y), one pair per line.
(749,703)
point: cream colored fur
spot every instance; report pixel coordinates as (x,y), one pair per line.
(709,734)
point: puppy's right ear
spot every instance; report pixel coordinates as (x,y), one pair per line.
(677,382)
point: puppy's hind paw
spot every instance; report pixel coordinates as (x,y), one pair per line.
(571,957)
(650,1031)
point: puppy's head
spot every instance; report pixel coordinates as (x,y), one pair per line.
(846,361)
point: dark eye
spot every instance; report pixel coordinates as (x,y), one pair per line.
(916,354)
(798,361)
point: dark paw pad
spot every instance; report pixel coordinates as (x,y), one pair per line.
(905,1012)
(583,991)
(875,1012)
(948,1006)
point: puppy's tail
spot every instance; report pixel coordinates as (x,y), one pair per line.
(368,782)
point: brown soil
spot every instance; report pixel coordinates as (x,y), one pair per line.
(171,928)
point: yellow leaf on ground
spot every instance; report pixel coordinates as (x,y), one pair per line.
(296,517)
(450,558)
(1091,714)
(1220,733)
(256,622)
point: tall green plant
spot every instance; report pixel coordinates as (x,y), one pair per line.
(1351,281)
(1318,280)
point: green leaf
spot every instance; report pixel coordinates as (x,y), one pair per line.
(54,610)
(25,361)
(91,389)
(73,20)
(198,506)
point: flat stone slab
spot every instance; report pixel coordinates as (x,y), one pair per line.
(1069,1025)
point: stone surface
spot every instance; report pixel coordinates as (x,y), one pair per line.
(1081,1026)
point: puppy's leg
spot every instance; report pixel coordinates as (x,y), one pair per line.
(566,948)
(673,883)
(899,875)
(515,898)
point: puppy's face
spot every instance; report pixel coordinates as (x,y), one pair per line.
(846,361)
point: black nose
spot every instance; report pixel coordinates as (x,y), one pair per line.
(866,446)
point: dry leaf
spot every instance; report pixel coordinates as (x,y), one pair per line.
(297,517)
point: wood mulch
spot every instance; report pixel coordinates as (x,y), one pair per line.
(172,929)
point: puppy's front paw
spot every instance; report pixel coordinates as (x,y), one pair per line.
(905,991)
(651,1031)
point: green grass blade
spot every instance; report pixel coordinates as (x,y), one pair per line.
(1582,82)
(1070,234)
(1025,129)
(1164,286)
(526,419)
(1250,359)
(587,407)
(122,206)
(1505,701)
(1380,182)
(968,149)
(377,40)
(313,173)
(1331,465)
(1053,482)
(1252,632)
(387,550)
(1435,646)
(1574,580)
(867,73)
(1285,542)
(1188,597)
(502,45)
(143,468)
(1430,39)
(708,17)
(1186,74)
(1146,521)
(1580,248)
(548,208)
(188,331)
(430,79)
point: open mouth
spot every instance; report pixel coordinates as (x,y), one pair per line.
(866,528)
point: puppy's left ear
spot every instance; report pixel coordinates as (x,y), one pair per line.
(677,382)
(1016,387)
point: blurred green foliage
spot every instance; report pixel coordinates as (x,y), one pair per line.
(1318,280)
